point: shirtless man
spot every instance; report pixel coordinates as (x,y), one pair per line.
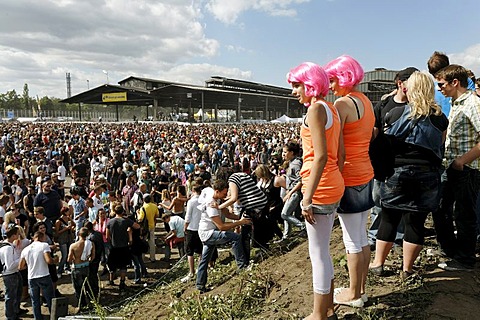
(80,254)
(178,203)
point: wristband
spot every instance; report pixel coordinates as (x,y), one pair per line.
(307,207)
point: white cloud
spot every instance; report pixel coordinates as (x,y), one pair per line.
(40,41)
(469,58)
(198,73)
(229,11)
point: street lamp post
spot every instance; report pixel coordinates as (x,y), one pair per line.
(88,84)
(106,73)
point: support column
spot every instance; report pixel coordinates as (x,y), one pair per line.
(80,110)
(239,112)
(116,110)
(203,110)
(266,109)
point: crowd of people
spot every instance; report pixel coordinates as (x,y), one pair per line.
(95,193)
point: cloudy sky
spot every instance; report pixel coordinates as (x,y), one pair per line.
(188,41)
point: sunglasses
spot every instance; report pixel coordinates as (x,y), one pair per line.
(441,84)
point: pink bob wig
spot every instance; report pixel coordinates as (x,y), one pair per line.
(313,77)
(346,69)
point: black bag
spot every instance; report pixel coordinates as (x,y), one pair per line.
(382,148)
(382,156)
(144,223)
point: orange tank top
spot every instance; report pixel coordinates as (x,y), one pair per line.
(331,186)
(358,169)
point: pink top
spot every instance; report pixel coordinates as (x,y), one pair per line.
(101,226)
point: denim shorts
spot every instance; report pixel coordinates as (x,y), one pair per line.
(324,209)
(357,198)
(412,188)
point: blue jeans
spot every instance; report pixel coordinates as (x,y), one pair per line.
(375,216)
(46,285)
(79,224)
(478,217)
(458,204)
(64,251)
(219,237)
(288,213)
(138,266)
(13,295)
(79,275)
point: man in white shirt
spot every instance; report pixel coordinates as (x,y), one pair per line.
(37,257)
(176,235)
(12,279)
(193,244)
(62,171)
(213,231)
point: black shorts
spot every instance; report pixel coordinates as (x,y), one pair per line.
(192,243)
(119,259)
(52,269)
(24,274)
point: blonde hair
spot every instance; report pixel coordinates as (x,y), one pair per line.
(263,172)
(21,233)
(9,218)
(166,195)
(421,96)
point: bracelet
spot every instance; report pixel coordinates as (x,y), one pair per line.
(307,207)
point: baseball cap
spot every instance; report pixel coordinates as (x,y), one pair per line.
(404,74)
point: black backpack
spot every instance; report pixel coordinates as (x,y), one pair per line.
(382,155)
(144,223)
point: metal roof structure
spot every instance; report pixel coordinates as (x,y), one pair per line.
(242,99)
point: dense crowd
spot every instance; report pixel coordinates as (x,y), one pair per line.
(95,192)
(60,178)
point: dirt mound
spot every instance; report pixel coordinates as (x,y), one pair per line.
(283,290)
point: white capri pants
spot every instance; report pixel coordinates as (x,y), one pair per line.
(319,249)
(354,230)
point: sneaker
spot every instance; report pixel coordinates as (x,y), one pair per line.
(204,290)
(59,275)
(68,271)
(452,265)
(187,278)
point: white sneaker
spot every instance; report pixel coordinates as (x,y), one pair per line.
(187,278)
(59,275)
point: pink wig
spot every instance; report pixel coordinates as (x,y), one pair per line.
(313,77)
(346,69)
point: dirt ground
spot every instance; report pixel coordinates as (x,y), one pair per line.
(433,294)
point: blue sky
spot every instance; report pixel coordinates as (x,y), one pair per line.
(188,41)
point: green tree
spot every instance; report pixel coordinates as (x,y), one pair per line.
(25,97)
(10,100)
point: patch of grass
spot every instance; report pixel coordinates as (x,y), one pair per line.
(248,294)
